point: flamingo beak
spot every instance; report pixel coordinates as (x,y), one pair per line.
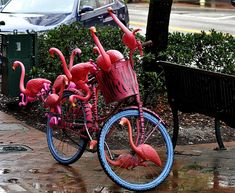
(13,68)
(93,29)
(51,52)
(122,121)
(110,9)
(66,82)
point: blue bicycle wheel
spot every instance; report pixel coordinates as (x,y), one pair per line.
(64,139)
(120,161)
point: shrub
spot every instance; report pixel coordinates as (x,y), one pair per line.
(214,51)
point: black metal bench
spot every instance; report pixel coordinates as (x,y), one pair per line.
(192,90)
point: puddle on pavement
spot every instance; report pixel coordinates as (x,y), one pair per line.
(13,180)
(4,171)
(194,177)
(14,148)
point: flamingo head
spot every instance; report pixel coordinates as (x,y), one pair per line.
(110,9)
(15,65)
(52,51)
(124,121)
(65,81)
(92,29)
(76,51)
(96,50)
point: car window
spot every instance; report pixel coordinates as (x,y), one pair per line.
(92,3)
(104,2)
(39,6)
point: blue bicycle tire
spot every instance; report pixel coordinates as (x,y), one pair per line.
(109,129)
(76,143)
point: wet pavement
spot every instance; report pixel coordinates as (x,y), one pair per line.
(27,166)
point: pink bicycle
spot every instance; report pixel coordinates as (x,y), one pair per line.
(133,145)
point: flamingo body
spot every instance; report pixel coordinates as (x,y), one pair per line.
(34,86)
(80,72)
(58,82)
(126,161)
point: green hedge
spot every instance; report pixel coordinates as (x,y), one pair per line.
(214,51)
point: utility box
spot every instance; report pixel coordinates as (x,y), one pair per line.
(22,47)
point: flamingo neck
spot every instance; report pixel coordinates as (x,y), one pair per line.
(71,61)
(61,93)
(114,163)
(120,24)
(64,64)
(130,136)
(84,87)
(101,50)
(22,76)
(72,56)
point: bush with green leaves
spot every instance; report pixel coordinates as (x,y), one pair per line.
(214,51)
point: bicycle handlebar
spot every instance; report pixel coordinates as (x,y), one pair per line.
(147,43)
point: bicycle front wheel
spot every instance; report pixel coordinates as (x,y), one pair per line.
(65,139)
(122,163)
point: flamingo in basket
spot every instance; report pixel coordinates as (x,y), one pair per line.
(143,151)
(114,55)
(128,37)
(33,86)
(103,60)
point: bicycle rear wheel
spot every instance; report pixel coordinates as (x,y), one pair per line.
(126,168)
(66,140)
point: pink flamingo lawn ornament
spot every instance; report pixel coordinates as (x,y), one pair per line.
(103,60)
(144,151)
(53,100)
(59,80)
(33,86)
(77,74)
(128,37)
(114,55)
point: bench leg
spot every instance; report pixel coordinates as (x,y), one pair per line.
(218,135)
(176,126)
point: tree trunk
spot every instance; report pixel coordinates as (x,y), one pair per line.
(157,26)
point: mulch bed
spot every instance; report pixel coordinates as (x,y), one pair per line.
(194,128)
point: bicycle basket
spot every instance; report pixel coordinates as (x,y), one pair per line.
(119,83)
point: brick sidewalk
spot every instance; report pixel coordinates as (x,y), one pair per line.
(197,168)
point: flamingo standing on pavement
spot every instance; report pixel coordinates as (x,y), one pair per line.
(33,86)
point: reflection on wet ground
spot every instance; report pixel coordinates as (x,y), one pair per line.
(205,170)
(196,168)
